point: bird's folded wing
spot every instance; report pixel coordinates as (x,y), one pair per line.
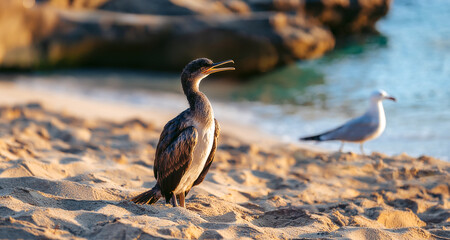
(171,131)
(355,130)
(210,159)
(172,162)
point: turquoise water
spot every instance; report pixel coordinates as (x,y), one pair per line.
(409,58)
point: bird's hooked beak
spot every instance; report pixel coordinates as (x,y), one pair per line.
(212,69)
(391,98)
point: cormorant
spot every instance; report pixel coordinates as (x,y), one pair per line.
(188,143)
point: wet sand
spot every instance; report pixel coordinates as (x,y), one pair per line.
(69,165)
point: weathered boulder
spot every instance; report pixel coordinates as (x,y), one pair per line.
(166,34)
(341,16)
(257,42)
(157,7)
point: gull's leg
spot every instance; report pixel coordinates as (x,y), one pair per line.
(362,149)
(174,200)
(181,198)
(342,146)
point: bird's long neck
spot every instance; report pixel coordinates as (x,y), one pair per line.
(199,104)
(376,109)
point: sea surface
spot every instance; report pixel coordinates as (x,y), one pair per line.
(409,58)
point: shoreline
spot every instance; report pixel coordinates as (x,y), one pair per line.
(283,122)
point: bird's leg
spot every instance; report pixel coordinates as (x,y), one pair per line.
(362,149)
(181,197)
(174,200)
(342,146)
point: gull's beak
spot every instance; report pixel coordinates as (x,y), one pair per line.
(391,98)
(214,70)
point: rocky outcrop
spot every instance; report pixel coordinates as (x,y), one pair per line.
(164,35)
(340,16)
(158,7)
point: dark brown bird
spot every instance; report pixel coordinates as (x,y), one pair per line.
(188,143)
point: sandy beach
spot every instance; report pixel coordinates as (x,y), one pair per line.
(69,165)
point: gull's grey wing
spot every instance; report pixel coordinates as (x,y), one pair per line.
(174,154)
(355,130)
(211,154)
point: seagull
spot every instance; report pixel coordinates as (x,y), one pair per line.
(361,129)
(188,143)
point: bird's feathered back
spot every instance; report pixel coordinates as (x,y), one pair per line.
(174,154)
(354,130)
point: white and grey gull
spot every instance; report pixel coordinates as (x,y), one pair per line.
(361,129)
(188,143)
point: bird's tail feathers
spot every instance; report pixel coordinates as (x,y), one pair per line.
(149,197)
(312,138)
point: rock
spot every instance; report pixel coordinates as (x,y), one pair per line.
(257,43)
(165,35)
(157,7)
(341,16)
